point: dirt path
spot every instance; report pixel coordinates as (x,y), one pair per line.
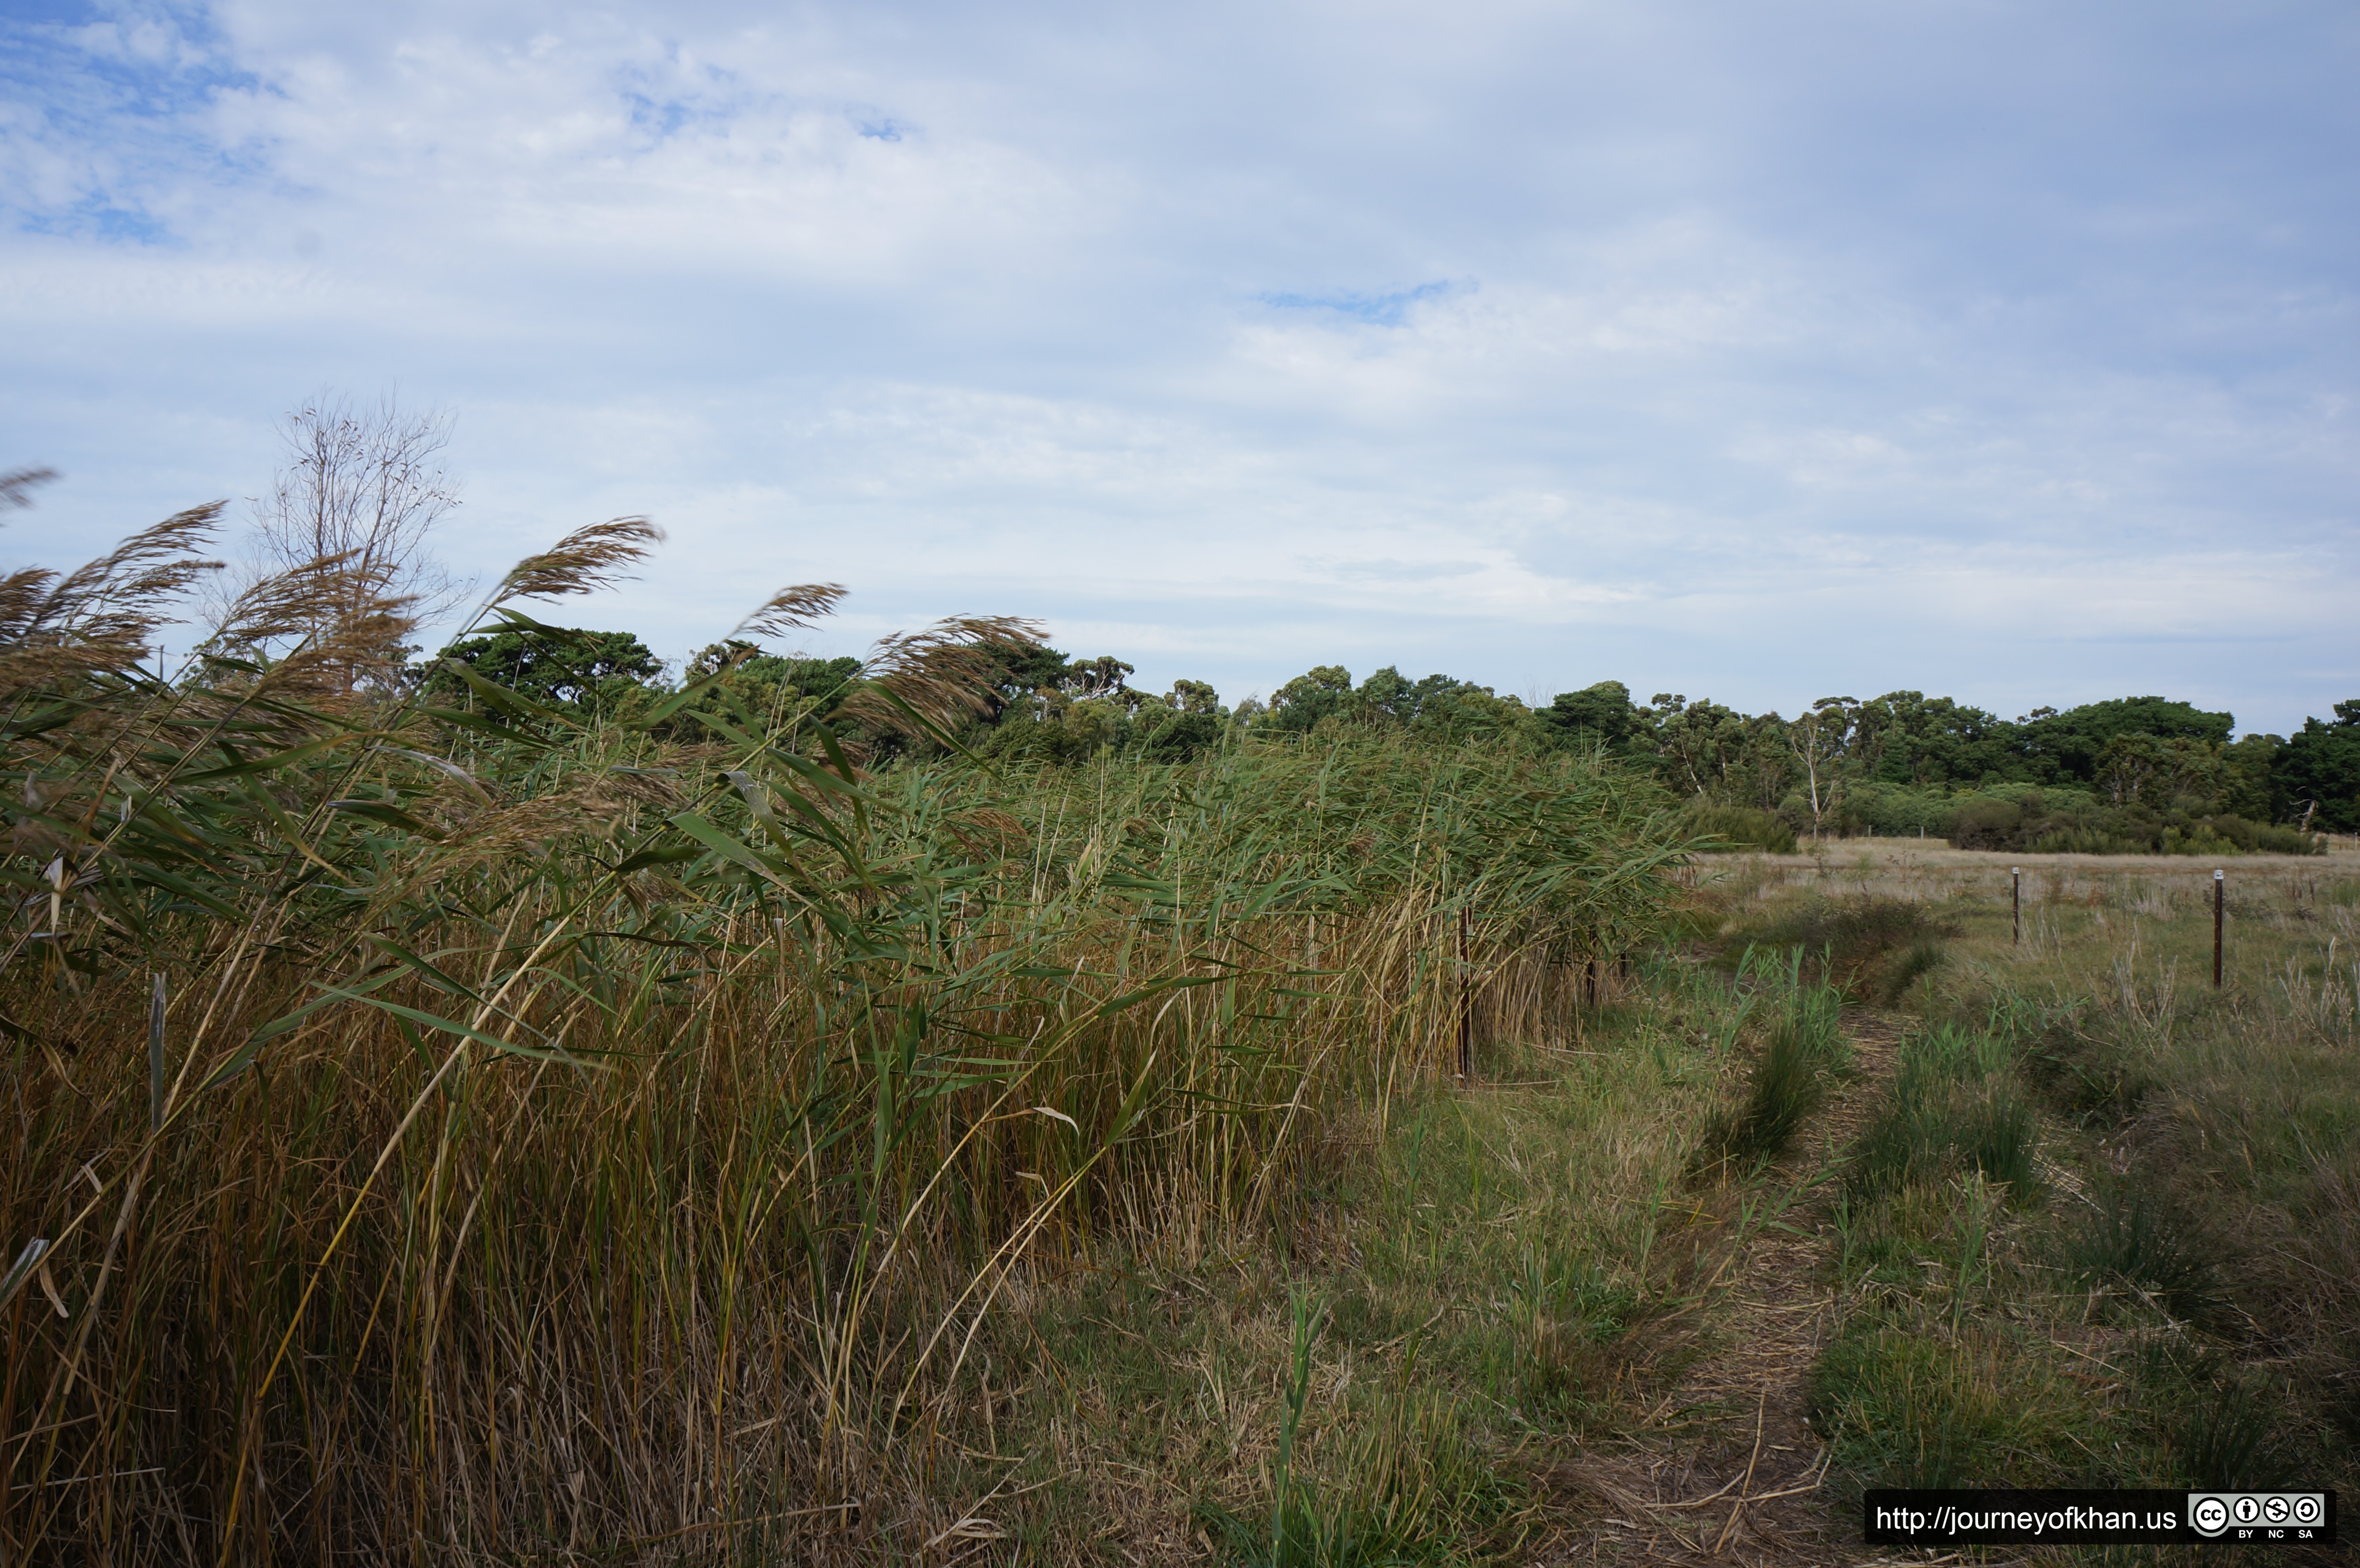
(1726,1469)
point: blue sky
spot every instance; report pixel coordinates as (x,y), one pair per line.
(2003,351)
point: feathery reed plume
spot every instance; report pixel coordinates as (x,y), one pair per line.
(938,676)
(282,605)
(17,487)
(791,609)
(349,626)
(22,594)
(581,562)
(362,645)
(99,616)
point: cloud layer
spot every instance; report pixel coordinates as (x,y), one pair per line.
(1756,353)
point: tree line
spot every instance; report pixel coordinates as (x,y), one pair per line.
(2128,773)
(363,488)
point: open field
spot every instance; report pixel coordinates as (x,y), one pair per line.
(2081,1218)
(1851,857)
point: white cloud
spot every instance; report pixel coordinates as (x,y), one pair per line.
(2006,351)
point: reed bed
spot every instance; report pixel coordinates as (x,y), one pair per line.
(484,1132)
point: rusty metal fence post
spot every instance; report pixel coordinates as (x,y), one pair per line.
(2217,905)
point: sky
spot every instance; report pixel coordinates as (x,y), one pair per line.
(2002,351)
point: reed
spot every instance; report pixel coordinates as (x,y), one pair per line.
(568,1136)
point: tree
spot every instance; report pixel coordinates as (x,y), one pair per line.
(2066,746)
(2249,785)
(1716,753)
(1457,711)
(569,669)
(1302,702)
(1595,715)
(1386,697)
(1819,739)
(1183,735)
(1907,737)
(1021,679)
(1192,697)
(2123,768)
(2320,772)
(1438,706)
(360,492)
(1697,744)
(1105,676)
(767,689)
(363,481)
(1761,766)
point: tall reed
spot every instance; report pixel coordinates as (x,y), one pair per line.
(576,1135)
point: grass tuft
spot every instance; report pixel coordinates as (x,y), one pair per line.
(1953,1106)
(2133,1240)
(1789,1080)
(1909,1408)
(2224,1443)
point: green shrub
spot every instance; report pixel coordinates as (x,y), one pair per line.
(1897,811)
(2197,839)
(2287,841)
(2233,835)
(2085,840)
(1987,824)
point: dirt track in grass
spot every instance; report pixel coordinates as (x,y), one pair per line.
(1726,1469)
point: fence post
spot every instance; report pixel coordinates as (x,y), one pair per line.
(2216,928)
(1465,1005)
(2016,899)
